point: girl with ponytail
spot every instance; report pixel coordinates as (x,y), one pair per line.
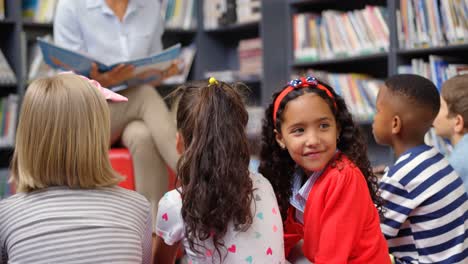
(221,213)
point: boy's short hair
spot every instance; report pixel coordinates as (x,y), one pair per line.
(63,136)
(455,93)
(417,89)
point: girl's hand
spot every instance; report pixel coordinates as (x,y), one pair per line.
(116,76)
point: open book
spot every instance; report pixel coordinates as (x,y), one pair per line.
(184,64)
(147,70)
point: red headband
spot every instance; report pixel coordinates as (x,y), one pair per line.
(303,82)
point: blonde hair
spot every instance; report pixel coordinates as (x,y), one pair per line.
(63,136)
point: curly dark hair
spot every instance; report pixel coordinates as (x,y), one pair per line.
(278,167)
(213,171)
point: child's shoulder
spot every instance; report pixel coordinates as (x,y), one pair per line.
(259,181)
(130,194)
(262,188)
(172,197)
(420,167)
(11,202)
(417,162)
(342,165)
(342,170)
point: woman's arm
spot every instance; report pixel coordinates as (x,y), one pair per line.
(165,254)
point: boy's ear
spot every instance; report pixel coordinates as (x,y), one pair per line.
(396,125)
(180,143)
(459,126)
(279,139)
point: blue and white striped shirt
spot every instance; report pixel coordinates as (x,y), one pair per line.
(426,209)
(300,194)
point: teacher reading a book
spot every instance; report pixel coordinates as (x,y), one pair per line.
(118,30)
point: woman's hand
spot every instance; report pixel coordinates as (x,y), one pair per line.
(116,76)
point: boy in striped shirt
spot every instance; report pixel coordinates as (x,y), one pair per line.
(425,200)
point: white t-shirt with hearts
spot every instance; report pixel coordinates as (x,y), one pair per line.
(261,243)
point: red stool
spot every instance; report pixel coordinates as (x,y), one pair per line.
(121,161)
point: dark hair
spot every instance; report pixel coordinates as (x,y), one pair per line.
(455,94)
(278,167)
(416,89)
(216,188)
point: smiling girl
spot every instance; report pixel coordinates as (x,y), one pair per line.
(315,157)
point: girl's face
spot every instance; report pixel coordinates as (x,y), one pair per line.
(309,132)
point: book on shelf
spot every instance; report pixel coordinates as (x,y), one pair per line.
(147,70)
(37,66)
(220,13)
(41,11)
(180,14)
(7,76)
(333,34)
(250,53)
(184,64)
(8,119)
(248,11)
(5,187)
(358,90)
(432,23)
(2,9)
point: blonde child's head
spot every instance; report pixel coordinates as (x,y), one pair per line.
(63,136)
(452,120)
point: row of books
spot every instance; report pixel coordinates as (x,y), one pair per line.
(436,68)
(334,34)
(5,187)
(220,13)
(180,14)
(359,91)
(8,119)
(7,76)
(426,23)
(2,9)
(41,11)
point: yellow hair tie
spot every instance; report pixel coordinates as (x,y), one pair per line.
(213,81)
